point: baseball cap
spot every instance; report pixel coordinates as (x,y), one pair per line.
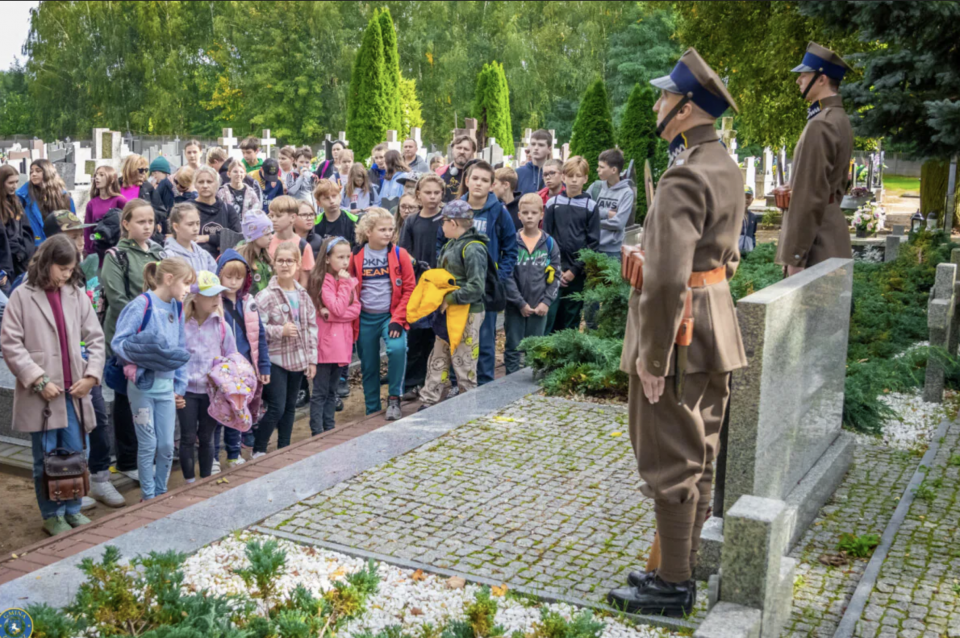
(60,221)
(271,170)
(412,176)
(457,209)
(208,284)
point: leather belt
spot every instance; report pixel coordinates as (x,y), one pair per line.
(708,277)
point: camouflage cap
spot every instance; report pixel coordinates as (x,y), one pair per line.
(457,209)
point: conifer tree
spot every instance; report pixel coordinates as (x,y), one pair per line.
(391,65)
(491,107)
(638,138)
(367,113)
(593,128)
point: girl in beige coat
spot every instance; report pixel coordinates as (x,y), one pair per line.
(43,327)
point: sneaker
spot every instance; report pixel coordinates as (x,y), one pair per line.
(339,404)
(87,503)
(343,388)
(412,394)
(102,489)
(424,407)
(235,462)
(56,525)
(215,469)
(393,409)
(133,475)
(454,391)
(76,520)
(257,455)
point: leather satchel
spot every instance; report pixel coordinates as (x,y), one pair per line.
(65,473)
(631,266)
(781,195)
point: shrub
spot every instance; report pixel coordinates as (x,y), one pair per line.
(593,128)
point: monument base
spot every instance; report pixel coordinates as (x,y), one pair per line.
(804,501)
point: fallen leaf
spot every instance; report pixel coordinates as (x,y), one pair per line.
(498,591)
(616,433)
(416,611)
(419,575)
(14,555)
(834,560)
(339,573)
(455,582)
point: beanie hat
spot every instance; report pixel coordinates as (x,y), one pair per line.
(160,164)
(255,226)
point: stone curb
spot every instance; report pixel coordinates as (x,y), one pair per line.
(200,524)
(868,580)
(673,624)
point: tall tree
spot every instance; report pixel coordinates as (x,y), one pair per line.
(391,65)
(753,45)
(910,90)
(16,107)
(491,107)
(410,115)
(369,112)
(638,137)
(643,50)
(593,128)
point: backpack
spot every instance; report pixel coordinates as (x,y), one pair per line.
(494,292)
(113,369)
(106,234)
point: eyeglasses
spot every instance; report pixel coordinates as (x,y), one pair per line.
(550,174)
(285,262)
(307,215)
(143,171)
(409,209)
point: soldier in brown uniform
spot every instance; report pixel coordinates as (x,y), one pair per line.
(678,394)
(814,228)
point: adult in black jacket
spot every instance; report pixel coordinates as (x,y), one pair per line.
(16,245)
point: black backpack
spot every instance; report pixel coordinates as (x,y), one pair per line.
(494,292)
(106,234)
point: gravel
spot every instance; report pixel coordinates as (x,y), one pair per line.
(401,599)
(915,423)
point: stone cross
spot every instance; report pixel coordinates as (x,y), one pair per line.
(728,135)
(415,136)
(940,319)
(342,136)
(393,144)
(228,141)
(524,143)
(565,152)
(493,153)
(266,141)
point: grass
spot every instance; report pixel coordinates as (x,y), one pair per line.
(897,185)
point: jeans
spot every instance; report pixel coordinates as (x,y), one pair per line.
(488,349)
(67,438)
(196,424)
(99,437)
(281,398)
(323,399)
(231,441)
(125,433)
(154,417)
(518,327)
(565,312)
(373,328)
(419,346)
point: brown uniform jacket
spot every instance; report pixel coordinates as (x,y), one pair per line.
(814,228)
(693,226)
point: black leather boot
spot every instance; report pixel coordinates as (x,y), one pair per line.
(639,577)
(655,597)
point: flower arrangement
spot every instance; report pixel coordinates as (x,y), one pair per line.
(868,218)
(859,191)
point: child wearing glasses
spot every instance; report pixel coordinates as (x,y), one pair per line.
(290,320)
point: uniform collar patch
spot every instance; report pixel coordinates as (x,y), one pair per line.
(677,146)
(814,109)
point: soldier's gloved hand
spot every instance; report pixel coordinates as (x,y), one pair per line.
(652,386)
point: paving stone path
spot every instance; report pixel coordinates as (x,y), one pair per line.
(863,504)
(918,589)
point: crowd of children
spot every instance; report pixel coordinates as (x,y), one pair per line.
(321,273)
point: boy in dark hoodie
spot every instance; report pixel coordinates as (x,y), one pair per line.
(463,257)
(490,218)
(572,219)
(535,282)
(239,313)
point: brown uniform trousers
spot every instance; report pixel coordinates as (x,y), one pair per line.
(693,226)
(814,228)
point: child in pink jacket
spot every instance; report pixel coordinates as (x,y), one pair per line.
(335,294)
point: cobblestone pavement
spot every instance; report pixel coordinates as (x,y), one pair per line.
(863,504)
(918,589)
(543,495)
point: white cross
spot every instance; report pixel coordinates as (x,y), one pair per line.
(228,141)
(266,141)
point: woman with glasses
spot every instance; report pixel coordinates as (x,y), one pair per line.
(133,178)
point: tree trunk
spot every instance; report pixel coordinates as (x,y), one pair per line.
(933,190)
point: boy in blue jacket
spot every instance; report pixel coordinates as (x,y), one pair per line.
(490,218)
(237,277)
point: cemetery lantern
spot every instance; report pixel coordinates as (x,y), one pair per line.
(932,221)
(916,222)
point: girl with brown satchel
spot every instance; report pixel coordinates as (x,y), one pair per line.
(54,345)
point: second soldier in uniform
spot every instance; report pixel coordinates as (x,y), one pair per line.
(678,393)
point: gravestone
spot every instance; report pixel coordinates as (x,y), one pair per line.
(81,155)
(492,154)
(393,144)
(522,155)
(554,147)
(229,143)
(940,319)
(565,152)
(784,438)
(266,142)
(415,136)
(728,136)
